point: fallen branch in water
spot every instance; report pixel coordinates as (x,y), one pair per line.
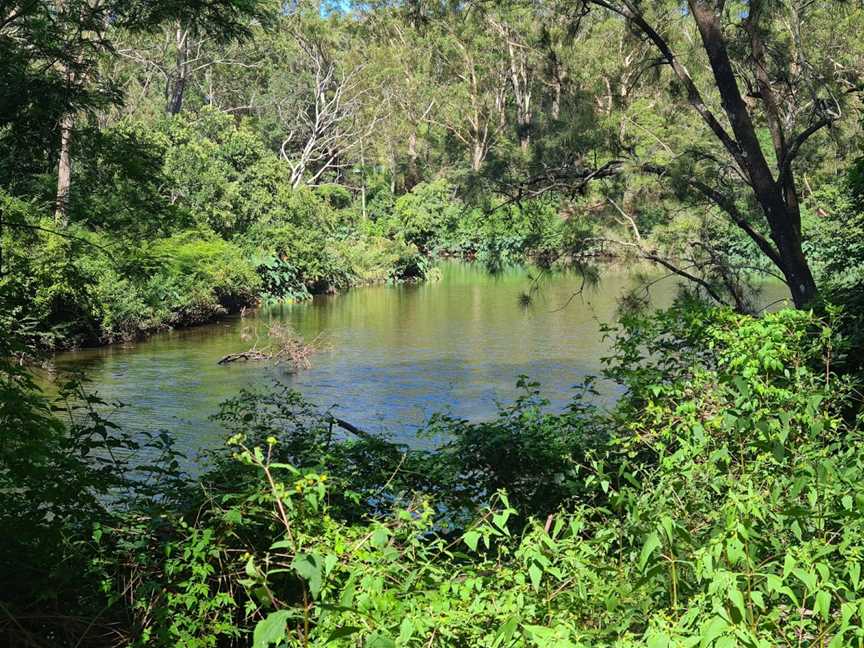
(283,345)
(244,355)
(353,429)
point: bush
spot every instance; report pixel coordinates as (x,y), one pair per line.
(424,216)
(720,501)
(505,235)
(201,276)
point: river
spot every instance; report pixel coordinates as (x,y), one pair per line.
(397,354)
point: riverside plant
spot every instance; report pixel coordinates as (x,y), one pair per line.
(720,503)
(725,507)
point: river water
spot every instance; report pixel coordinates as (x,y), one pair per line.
(397,354)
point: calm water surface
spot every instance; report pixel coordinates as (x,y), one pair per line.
(397,354)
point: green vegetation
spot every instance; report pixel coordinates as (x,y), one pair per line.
(719,503)
(164,163)
(325,149)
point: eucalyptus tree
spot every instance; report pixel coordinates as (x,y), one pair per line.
(191,37)
(48,53)
(471,83)
(322,98)
(766,91)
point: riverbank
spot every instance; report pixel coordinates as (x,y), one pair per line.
(296,532)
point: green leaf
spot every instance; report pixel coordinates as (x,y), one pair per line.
(471,538)
(506,631)
(758,599)
(379,641)
(330,561)
(406,629)
(823,604)
(715,627)
(652,542)
(271,630)
(535,573)
(341,633)
(380,537)
(838,641)
(808,579)
(855,574)
(788,566)
(735,551)
(308,567)
(737,599)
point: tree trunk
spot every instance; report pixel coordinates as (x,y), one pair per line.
(784,218)
(556,100)
(412,175)
(796,269)
(478,154)
(64,172)
(177,88)
(524,135)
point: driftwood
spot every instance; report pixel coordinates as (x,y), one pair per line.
(283,345)
(353,429)
(244,355)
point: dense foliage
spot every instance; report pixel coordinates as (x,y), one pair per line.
(717,504)
(164,163)
(309,149)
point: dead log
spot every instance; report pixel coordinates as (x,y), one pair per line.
(244,355)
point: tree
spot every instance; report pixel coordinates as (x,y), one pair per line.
(192,33)
(785,93)
(323,100)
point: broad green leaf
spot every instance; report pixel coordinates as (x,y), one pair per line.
(379,641)
(308,567)
(471,538)
(406,629)
(758,599)
(735,551)
(855,574)
(737,599)
(808,579)
(535,573)
(506,631)
(823,604)
(380,537)
(330,561)
(838,641)
(715,627)
(271,630)
(788,565)
(652,542)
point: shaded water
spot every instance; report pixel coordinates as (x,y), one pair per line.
(398,354)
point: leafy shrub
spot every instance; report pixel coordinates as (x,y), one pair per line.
(201,276)
(337,196)
(720,501)
(423,216)
(504,235)
(374,259)
(717,502)
(300,261)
